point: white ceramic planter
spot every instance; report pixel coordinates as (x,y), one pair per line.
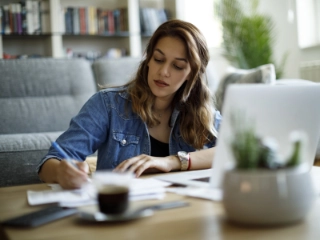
(268,197)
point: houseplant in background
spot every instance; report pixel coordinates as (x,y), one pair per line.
(247,35)
(262,188)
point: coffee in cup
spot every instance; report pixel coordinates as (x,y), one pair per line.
(112,191)
(113,199)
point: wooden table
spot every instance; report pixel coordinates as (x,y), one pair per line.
(203,219)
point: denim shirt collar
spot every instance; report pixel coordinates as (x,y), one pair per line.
(124,94)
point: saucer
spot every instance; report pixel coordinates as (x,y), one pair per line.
(101,217)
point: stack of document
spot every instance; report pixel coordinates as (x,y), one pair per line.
(140,189)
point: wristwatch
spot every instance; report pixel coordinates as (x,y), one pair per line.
(184,160)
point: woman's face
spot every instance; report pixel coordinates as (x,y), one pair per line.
(168,68)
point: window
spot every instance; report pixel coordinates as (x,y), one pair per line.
(308,20)
(201,14)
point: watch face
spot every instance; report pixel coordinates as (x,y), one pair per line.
(182,153)
(184,159)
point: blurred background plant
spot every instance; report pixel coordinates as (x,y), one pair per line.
(247,35)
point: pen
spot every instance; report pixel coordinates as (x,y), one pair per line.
(64,154)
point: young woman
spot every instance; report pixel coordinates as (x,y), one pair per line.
(154,123)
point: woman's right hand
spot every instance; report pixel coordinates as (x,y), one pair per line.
(64,173)
(70,177)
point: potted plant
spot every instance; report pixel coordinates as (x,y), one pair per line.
(262,188)
(247,35)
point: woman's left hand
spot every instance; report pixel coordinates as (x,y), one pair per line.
(141,163)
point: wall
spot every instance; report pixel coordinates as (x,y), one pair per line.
(310,38)
(287,37)
(310,54)
(286,34)
(201,14)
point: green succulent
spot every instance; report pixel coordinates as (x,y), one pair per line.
(252,152)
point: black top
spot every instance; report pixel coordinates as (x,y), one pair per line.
(159,149)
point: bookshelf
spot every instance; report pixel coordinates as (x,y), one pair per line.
(57,41)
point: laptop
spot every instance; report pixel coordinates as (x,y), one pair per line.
(276,112)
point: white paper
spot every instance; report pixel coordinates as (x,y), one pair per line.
(140,189)
(213,194)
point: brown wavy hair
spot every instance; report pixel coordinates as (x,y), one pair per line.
(193,98)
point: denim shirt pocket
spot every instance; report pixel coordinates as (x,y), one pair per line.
(126,145)
(125,139)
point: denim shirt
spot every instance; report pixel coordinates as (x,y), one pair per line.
(107,123)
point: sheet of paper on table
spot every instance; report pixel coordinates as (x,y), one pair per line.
(212,194)
(140,189)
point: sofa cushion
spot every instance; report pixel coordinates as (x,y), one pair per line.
(262,74)
(42,95)
(20,155)
(115,72)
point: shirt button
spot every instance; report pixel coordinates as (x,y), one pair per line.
(123,141)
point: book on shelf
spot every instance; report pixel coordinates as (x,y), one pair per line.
(94,20)
(83,20)
(24,26)
(26,17)
(45,21)
(116,17)
(33,17)
(124,26)
(102,23)
(18,18)
(93,27)
(151,19)
(12,19)
(1,31)
(76,21)
(12,23)
(68,16)
(36,17)
(29,17)
(110,29)
(6,20)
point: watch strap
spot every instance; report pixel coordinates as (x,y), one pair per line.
(184,160)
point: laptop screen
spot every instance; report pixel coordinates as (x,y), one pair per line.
(276,112)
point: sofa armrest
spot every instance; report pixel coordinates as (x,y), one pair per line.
(20,154)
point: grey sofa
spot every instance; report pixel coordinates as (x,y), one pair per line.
(38,98)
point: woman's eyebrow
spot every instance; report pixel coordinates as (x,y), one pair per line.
(180,59)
